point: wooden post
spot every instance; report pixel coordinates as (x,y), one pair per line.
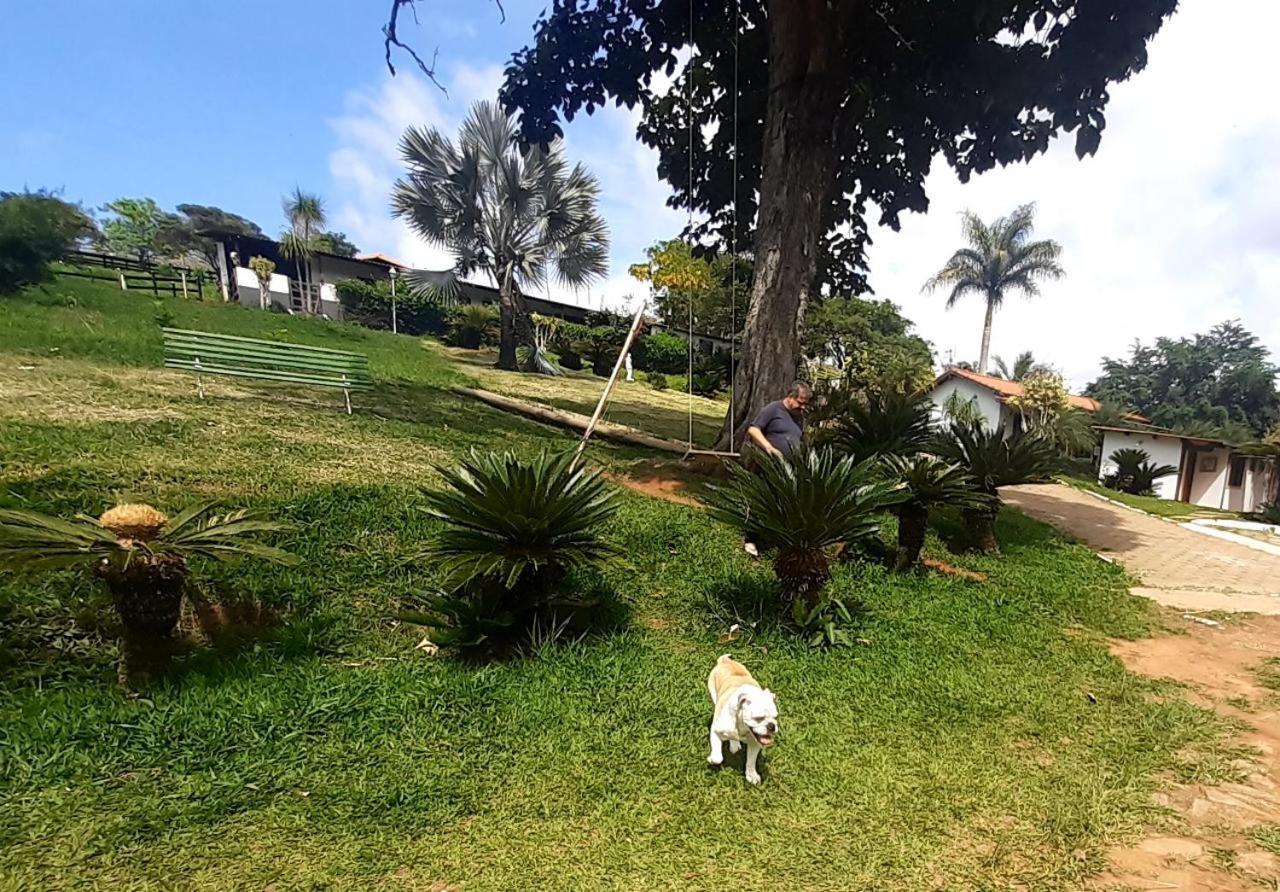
(183,273)
(346,392)
(123,286)
(608,387)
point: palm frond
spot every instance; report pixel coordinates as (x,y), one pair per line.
(31,540)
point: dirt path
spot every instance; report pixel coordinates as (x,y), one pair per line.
(1213,844)
(1177,567)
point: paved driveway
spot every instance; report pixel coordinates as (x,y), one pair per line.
(1176,566)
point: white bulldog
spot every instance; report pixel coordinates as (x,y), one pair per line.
(744,713)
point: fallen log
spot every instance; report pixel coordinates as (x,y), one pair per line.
(620,433)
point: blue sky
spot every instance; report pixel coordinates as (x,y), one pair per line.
(1174,226)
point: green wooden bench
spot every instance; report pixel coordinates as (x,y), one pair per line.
(216,354)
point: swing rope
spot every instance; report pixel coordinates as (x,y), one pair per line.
(733,238)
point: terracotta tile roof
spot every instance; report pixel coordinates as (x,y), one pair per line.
(381,258)
(1005,389)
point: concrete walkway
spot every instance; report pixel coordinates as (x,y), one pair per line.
(1176,567)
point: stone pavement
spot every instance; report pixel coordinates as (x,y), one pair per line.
(1176,566)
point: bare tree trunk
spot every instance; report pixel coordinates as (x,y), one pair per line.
(798,174)
(507,327)
(986,338)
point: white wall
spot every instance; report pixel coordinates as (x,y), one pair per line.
(1208,488)
(247,288)
(1253,490)
(1163,451)
(988,405)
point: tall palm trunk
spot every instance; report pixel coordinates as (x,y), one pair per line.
(799,161)
(986,336)
(913,522)
(507,325)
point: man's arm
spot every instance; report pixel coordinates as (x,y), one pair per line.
(757,436)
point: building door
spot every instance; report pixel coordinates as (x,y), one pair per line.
(1186,473)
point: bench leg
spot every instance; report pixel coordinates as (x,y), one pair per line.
(347,395)
(200,386)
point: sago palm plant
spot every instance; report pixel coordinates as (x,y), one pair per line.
(142,557)
(927,482)
(864,426)
(516,215)
(798,507)
(1135,473)
(515,530)
(992,460)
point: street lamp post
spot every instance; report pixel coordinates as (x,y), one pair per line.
(394,328)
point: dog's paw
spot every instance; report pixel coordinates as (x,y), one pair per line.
(753,777)
(734,746)
(715,759)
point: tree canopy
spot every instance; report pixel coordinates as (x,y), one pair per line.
(1222,382)
(336,243)
(869,342)
(37,228)
(979,82)
(718,288)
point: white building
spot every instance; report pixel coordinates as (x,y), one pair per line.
(1210,473)
(988,394)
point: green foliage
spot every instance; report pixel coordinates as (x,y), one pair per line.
(1270,513)
(1211,383)
(928,481)
(473,326)
(335,243)
(36,228)
(828,624)
(1045,412)
(29,539)
(522,524)
(993,460)
(864,425)
(715,290)
(369,304)
(662,352)
(516,531)
(520,216)
(929,66)
(870,342)
(1135,473)
(958,410)
(1023,366)
(657,380)
(134,227)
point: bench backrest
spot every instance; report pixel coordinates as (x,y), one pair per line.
(219,354)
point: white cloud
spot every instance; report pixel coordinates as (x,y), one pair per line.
(1173,227)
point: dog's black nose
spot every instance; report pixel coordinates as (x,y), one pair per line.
(772,726)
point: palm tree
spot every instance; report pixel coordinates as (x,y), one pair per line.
(305,215)
(516,215)
(141,555)
(1001,257)
(799,507)
(993,460)
(927,481)
(1024,366)
(864,426)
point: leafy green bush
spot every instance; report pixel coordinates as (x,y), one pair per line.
(927,482)
(1135,473)
(369,304)
(830,623)
(662,352)
(36,228)
(473,326)
(518,531)
(657,380)
(1270,513)
(798,507)
(864,425)
(993,460)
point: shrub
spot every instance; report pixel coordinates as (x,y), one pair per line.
(927,482)
(657,380)
(369,304)
(36,228)
(141,555)
(1135,473)
(473,326)
(993,460)
(798,507)
(662,352)
(867,425)
(1270,513)
(517,531)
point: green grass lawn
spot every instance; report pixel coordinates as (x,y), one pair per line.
(981,738)
(1149,504)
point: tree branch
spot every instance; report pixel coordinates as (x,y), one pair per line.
(390,39)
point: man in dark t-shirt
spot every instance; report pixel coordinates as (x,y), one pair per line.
(779,427)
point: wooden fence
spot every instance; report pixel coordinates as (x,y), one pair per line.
(132,274)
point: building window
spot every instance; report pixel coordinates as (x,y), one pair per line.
(1208,463)
(1237,471)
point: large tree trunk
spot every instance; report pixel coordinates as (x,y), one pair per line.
(514,324)
(799,162)
(986,338)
